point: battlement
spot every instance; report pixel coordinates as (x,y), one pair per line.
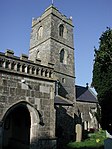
(22,65)
(52,10)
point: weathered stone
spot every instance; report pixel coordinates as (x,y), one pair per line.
(32,93)
(78,133)
(4,82)
(36,87)
(9,52)
(31,100)
(24,57)
(3,99)
(12,91)
(44,89)
(28,93)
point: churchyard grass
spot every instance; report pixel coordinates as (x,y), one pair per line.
(94,141)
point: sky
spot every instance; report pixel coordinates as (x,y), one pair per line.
(90,19)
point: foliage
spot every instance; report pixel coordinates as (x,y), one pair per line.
(98,114)
(102,70)
(102,78)
(95,140)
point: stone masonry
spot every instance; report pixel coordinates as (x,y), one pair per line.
(37,92)
(48,48)
(31,86)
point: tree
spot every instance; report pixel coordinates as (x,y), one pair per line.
(102,76)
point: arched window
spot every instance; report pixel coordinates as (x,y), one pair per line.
(38,55)
(63,56)
(61,30)
(62,53)
(40,32)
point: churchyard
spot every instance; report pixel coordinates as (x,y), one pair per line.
(94,141)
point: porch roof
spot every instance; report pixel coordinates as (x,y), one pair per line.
(59,100)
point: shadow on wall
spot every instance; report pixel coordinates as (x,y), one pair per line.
(43,143)
(64,126)
(62,92)
(40,144)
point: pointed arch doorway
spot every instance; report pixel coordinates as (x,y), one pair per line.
(16,128)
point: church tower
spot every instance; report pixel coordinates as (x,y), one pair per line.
(52,43)
(42,86)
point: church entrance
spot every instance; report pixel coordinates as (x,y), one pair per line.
(16,128)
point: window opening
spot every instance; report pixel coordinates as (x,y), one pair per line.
(61,30)
(62,56)
(40,32)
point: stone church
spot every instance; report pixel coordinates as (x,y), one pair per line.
(39,102)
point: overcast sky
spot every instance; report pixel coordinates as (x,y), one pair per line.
(90,19)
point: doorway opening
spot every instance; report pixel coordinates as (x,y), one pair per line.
(16,128)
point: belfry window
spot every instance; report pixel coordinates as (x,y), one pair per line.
(40,32)
(61,30)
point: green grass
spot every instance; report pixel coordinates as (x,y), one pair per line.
(95,141)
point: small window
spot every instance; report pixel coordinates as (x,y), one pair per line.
(37,54)
(62,56)
(40,32)
(61,30)
(63,80)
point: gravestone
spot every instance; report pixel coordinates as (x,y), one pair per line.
(108,141)
(78,132)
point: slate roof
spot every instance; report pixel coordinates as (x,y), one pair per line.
(59,100)
(85,94)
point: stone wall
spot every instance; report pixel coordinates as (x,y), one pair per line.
(86,115)
(31,86)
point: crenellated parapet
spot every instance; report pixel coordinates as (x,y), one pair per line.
(22,65)
(52,10)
